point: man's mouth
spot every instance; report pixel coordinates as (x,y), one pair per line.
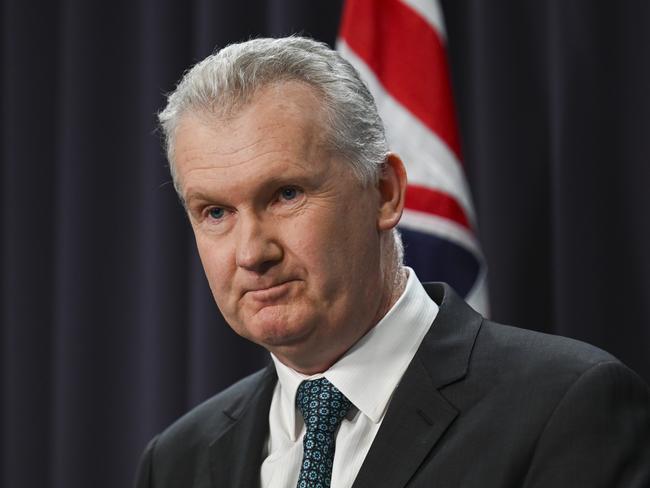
(269,293)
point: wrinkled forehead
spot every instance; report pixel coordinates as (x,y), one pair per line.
(281,125)
(278,109)
(276,98)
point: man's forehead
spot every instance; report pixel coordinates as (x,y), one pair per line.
(272,110)
(263,141)
(200,146)
(299,100)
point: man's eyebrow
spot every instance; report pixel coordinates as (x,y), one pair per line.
(270,184)
(197,195)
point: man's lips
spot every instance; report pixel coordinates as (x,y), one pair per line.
(269,293)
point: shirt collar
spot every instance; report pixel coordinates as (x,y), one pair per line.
(370,371)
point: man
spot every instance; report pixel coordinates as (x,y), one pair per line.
(280,159)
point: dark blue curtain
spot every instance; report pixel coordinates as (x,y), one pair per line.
(108,330)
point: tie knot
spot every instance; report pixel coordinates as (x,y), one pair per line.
(322,405)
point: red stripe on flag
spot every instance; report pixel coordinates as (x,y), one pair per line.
(408,57)
(435,202)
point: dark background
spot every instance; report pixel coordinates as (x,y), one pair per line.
(108,331)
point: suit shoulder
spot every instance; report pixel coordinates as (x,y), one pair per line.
(517,376)
(523,365)
(210,418)
(179,456)
(526,366)
(518,347)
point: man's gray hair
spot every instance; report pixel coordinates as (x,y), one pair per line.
(225,81)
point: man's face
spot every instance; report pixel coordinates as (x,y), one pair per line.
(288,237)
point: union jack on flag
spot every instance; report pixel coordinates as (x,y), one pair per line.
(399,47)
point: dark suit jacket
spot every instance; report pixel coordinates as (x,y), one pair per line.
(481,405)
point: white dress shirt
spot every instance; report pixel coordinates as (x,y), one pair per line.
(367,375)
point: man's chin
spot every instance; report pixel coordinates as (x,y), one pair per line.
(286,338)
(275,333)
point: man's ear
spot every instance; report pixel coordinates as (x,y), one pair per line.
(392,188)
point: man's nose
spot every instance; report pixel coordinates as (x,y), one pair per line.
(257,246)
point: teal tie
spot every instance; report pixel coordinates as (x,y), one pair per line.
(323,407)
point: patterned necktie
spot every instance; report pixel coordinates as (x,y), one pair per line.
(323,407)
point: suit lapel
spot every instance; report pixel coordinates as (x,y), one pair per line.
(236,456)
(416,419)
(419,414)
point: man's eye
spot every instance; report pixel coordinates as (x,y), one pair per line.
(288,193)
(216,213)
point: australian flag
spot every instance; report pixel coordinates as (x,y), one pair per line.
(399,47)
